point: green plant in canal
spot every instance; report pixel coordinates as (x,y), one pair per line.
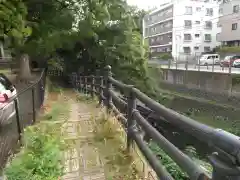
(169,164)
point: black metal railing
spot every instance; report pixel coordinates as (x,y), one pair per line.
(226,157)
(26,105)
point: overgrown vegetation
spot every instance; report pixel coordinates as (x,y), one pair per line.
(173,169)
(119,164)
(40,157)
(165,56)
(226,49)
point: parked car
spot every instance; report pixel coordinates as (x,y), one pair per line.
(209,59)
(228,60)
(7,91)
(236,63)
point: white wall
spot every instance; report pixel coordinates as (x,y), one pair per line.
(227,19)
(179,30)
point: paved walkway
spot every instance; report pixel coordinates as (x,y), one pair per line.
(82,160)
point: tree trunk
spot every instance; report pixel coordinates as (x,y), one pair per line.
(24,71)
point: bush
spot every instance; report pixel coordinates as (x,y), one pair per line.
(233,49)
(165,56)
(40,157)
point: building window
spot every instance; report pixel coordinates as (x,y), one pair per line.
(196,48)
(187,37)
(220,11)
(208,37)
(234,26)
(218,37)
(187,50)
(188,24)
(197,22)
(236,9)
(197,35)
(207,49)
(219,25)
(209,12)
(198,9)
(188,10)
(208,25)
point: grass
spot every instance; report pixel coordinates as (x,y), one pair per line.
(5,71)
(119,164)
(40,157)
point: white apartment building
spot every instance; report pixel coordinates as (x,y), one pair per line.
(229,21)
(185,28)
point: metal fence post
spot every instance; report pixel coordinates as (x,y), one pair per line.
(100,90)
(92,86)
(80,83)
(84,85)
(131,122)
(33,105)
(223,169)
(230,68)
(213,64)
(18,118)
(107,77)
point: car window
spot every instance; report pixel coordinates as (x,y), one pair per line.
(2,88)
(236,57)
(5,81)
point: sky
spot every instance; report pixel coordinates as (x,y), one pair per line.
(146,4)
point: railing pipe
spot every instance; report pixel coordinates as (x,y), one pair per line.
(117,83)
(200,130)
(151,158)
(180,158)
(207,134)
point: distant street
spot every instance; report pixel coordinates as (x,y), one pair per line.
(210,68)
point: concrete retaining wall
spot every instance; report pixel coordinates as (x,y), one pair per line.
(207,85)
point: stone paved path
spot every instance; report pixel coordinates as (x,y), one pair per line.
(82,160)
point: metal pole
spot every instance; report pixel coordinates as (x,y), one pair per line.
(92,86)
(80,83)
(101,90)
(213,65)
(85,85)
(131,122)
(108,75)
(223,168)
(18,118)
(33,105)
